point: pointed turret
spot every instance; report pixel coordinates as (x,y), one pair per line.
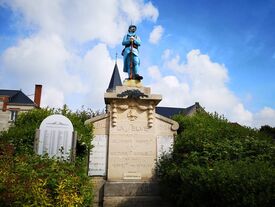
(115,80)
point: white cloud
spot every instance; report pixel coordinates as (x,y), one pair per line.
(150,11)
(52,97)
(174,93)
(98,67)
(266,116)
(154,72)
(166,54)
(61,74)
(200,80)
(52,55)
(85,20)
(43,60)
(156,34)
(136,10)
(200,69)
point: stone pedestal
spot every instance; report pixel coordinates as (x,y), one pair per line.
(136,135)
(132,194)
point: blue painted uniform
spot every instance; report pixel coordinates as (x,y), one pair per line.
(128,56)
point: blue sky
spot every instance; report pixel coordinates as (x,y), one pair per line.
(239,34)
(217,52)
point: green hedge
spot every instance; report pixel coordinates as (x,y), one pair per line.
(216,163)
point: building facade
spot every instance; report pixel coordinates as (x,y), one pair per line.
(13,102)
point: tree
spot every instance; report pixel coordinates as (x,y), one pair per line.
(268,130)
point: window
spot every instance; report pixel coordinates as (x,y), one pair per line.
(13,115)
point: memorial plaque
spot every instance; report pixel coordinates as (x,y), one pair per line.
(98,156)
(164,145)
(56,134)
(131,176)
(132,149)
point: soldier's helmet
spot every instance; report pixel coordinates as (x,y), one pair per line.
(132,28)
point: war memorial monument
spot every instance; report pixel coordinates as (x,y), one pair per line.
(129,138)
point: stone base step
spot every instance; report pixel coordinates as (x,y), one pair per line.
(132,193)
(133,201)
(131,189)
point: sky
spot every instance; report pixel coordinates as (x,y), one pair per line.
(219,53)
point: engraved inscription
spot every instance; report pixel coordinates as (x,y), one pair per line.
(98,155)
(131,128)
(130,163)
(55,137)
(135,153)
(132,176)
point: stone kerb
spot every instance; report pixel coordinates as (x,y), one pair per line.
(55,137)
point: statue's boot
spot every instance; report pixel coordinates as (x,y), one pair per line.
(138,77)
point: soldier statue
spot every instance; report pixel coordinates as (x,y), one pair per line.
(130,53)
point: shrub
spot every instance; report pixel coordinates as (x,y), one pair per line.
(31,180)
(27,179)
(22,133)
(216,163)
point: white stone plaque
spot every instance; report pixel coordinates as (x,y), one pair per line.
(98,156)
(132,176)
(56,133)
(164,145)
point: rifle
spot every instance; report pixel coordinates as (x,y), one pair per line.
(131,59)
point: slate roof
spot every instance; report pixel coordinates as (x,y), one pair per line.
(16,97)
(115,80)
(171,111)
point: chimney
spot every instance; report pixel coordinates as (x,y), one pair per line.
(37,95)
(5,103)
